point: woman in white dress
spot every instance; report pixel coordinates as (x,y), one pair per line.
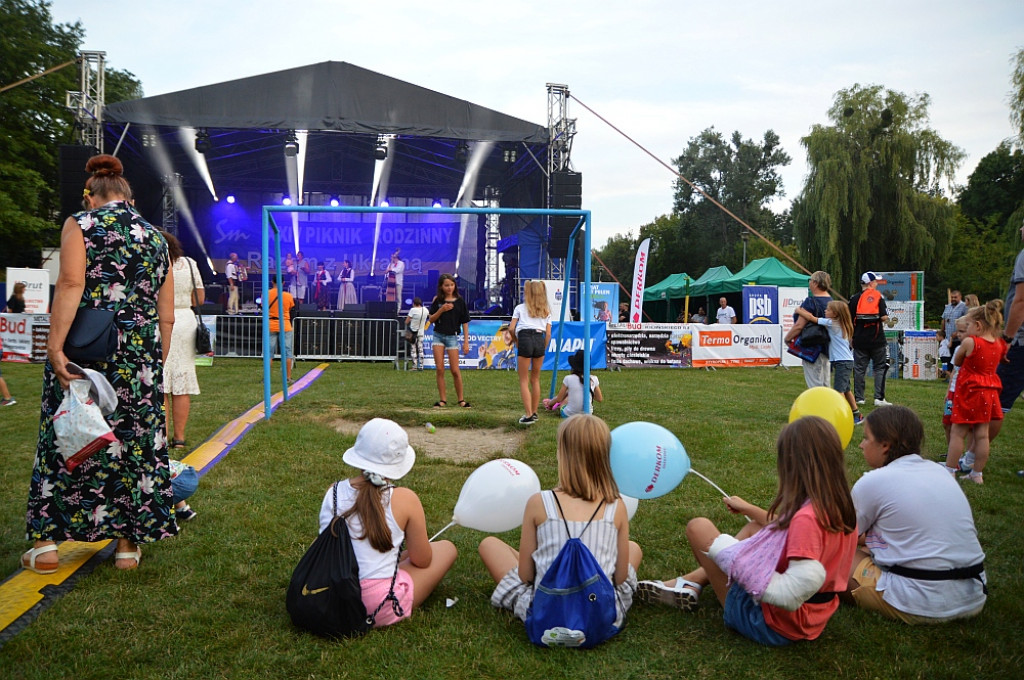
(180,381)
(347,291)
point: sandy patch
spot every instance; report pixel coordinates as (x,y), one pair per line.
(452,443)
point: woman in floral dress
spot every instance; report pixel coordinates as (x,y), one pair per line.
(110,259)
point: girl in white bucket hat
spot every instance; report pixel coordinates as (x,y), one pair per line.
(380,516)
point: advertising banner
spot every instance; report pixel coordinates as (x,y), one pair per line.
(905,316)
(737,345)
(651,344)
(23,336)
(760,304)
(901,286)
(37,288)
(490,346)
(604,301)
(554,288)
(636,309)
(789,299)
(921,355)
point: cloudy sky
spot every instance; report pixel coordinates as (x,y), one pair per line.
(660,70)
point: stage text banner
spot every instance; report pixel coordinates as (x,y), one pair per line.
(737,345)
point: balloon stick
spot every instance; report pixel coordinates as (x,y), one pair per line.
(724,494)
(450,525)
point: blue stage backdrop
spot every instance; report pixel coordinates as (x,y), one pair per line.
(426,242)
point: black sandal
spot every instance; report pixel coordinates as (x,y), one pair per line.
(441,403)
(465,404)
(178,443)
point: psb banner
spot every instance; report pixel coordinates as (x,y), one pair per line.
(760,304)
(737,345)
(490,346)
(651,344)
(604,302)
(23,336)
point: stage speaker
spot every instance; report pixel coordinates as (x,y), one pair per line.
(566,193)
(73,158)
(381,310)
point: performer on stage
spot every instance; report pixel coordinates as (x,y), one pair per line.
(347,291)
(302,272)
(323,281)
(231,271)
(397,268)
(289,272)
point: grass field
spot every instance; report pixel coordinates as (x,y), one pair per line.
(210,603)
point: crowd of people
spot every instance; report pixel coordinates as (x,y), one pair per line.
(880,545)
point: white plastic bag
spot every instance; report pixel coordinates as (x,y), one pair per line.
(79,428)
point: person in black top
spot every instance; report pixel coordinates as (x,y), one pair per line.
(16,303)
(448,311)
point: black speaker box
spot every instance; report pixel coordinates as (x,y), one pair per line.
(73,158)
(381,310)
(566,189)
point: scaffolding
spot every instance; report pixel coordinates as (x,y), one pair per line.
(169,202)
(87,103)
(492,269)
(561,131)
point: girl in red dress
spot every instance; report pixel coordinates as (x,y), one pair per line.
(976,399)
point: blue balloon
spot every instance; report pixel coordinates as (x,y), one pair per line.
(647,460)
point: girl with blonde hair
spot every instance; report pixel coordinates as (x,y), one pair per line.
(531,333)
(839,323)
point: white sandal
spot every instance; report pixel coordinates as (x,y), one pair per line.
(683,595)
(34,553)
(136,555)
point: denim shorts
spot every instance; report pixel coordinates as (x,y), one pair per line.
(744,616)
(841,376)
(446,341)
(185,484)
(530,344)
(289,343)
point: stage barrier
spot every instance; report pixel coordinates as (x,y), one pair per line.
(319,338)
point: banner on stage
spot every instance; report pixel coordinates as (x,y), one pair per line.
(490,346)
(760,304)
(37,288)
(23,336)
(604,302)
(737,345)
(651,344)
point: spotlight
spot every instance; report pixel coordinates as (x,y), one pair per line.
(461,152)
(437,204)
(380,152)
(335,202)
(203,144)
(385,204)
(291,144)
(230,199)
(287,200)
(510,156)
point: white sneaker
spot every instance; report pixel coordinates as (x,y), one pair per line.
(966,462)
(882,402)
(860,401)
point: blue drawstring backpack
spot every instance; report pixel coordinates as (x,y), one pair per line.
(574,604)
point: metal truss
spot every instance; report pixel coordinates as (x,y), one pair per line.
(88,102)
(561,131)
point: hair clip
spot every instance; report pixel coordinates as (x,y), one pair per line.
(85,192)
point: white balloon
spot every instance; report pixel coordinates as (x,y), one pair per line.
(631,505)
(494,497)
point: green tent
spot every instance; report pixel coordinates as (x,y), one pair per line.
(664,300)
(764,272)
(709,282)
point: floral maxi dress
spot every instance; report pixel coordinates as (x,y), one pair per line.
(124,491)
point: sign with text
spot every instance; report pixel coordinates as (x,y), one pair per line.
(737,345)
(760,304)
(490,346)
(23,336)
(604,301)
(37,288)
(651,344)
(790,298)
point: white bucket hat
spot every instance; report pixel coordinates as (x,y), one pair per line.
(382,446)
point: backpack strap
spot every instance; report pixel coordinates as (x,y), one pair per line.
(564,522)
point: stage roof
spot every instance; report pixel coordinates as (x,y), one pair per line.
(331,95)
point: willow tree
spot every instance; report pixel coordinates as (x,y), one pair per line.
(874,194)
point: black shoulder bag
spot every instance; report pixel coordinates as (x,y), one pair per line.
(203,344)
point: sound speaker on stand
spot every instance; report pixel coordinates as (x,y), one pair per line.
(73,158)
(566,193)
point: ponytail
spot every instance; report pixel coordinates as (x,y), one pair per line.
(369,506)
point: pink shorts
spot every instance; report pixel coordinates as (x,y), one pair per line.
(376,589)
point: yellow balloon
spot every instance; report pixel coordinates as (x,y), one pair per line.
(826,403)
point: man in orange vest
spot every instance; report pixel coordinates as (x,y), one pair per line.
(275,324)
(869,345)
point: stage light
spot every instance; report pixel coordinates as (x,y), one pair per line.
(510,156)
(380,152)
(287,200)
(291,144)
(335,202)
(230,199)
(385,204)
(437,204)
(203,144)
(461,152)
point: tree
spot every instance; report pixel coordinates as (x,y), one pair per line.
(742,175)
(873,198)
(1017,96)
(36,122)
(996,187)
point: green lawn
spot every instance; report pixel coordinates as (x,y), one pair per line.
(210,603)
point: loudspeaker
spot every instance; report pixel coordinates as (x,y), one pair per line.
(381,310)
(566,189)
(73,158)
